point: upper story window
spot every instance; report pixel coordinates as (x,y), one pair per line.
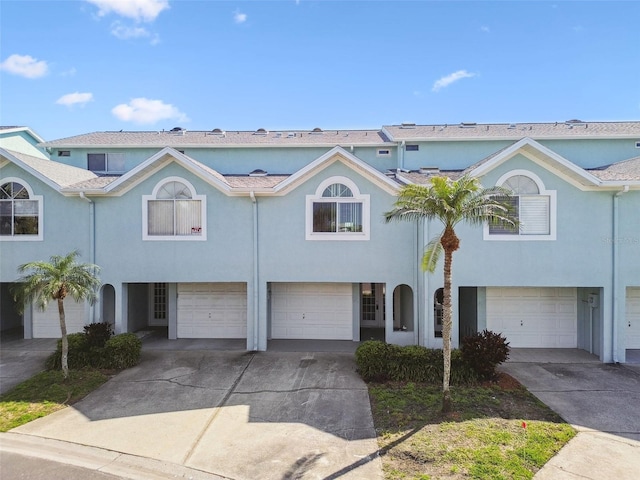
(20,211)
(174,212)
(532,205)
(337,211)
(105,162)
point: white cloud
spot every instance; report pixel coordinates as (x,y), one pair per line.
(25,66)
(485,29)
(146,111)
(449,79)
(76,98)
(69,73)
(239,17)
(124,32)
(138,10)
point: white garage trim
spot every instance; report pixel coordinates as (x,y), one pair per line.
(632,317)
(212,310)
(321,311)
(47,324)
(534,317)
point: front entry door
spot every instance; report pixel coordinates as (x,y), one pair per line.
(372,305)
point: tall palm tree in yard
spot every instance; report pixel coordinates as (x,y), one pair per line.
(451,202)
(56,280)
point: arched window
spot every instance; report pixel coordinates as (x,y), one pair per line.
(20,211)
(174,212)
(531,204)
(337,211)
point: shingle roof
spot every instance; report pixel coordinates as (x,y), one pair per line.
(514,131)
(59,173)
(246,181)
(192,139)
(625,170)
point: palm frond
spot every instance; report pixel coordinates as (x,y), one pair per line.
(432,254)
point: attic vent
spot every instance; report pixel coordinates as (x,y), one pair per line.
(177,129)
(574,121)
(317,131)
(64,153)
(218,131)
(429,170)
(511,126)
(408,125)
(261,131)
(468,125)
(291,134)
(258,173)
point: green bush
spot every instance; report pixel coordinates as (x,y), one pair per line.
(78,353)
(119,352)
(122,351)
(378,361)
(484,351)
(98,333)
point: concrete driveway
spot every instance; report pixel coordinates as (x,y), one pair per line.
(602,401)
(269,415)
(21,359)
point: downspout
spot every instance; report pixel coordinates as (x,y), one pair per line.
(92,242)
(256,316)
(614,273)
(401,155)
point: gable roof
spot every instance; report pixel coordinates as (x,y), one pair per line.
(56,175)
(34,135)
(626,170)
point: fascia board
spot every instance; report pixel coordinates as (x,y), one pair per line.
(519,147)
(35,136)
(153,164)
(336,154)
(11,158)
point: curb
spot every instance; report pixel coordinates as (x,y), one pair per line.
(106,461)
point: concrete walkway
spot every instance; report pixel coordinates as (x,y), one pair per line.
(602,401)
(238,415)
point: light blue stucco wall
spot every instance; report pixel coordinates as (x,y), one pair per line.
(21,142)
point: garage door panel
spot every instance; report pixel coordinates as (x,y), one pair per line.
(534,317)
(47,324)
(632,318)
(311,311)
(212,310)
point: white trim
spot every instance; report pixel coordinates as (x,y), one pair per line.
(40,199)
(552,194)
(364,199)
(174,238)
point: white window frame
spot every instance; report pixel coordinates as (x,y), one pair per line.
(106,162)
(202,236)
(364,199)
(519,237)
(39,198)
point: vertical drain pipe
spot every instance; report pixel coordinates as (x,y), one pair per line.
(614,280)
(256,297)
(92,243)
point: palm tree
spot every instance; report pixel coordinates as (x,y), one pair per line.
(56,280)
(452,202)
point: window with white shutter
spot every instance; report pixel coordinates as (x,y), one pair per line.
(532,205)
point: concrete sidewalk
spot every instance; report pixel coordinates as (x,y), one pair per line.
(602,402)
(233,414)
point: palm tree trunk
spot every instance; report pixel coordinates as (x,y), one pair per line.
(446,332)
(65,342)
(450,243)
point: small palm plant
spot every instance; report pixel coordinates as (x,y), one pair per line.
(56,280)
(451,202)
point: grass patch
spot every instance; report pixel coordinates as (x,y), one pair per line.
(483,438)
(44,393)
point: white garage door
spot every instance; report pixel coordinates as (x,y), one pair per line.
(534,317)
(47,324)
(212,310)
(312,311)
(633,318)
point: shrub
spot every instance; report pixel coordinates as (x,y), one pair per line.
(77,356)
(98,333)
(484,351)
(372,358)
(378,361)
(122,351)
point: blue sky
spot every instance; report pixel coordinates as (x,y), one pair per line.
(71,67)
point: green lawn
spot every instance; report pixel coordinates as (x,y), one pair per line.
(44,393)
(497,431)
